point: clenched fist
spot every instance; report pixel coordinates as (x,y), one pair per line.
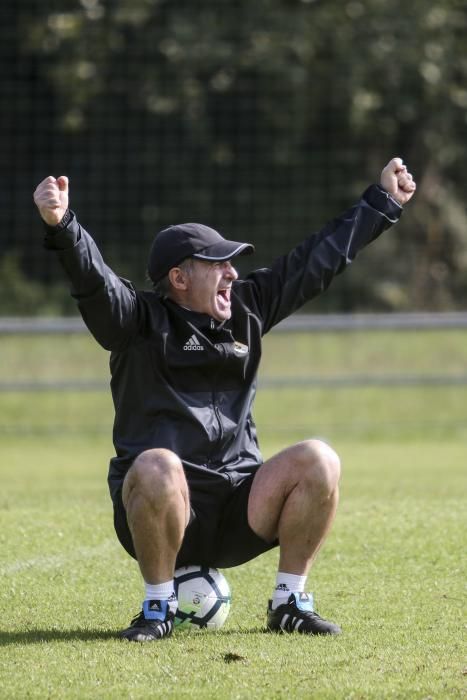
(396,180)
(51,198)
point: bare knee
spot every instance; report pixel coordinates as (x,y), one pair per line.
(319,466)
(156,474)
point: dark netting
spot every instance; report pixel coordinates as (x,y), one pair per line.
(262,119)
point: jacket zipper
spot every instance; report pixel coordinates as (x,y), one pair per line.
(218,416)
(215,406)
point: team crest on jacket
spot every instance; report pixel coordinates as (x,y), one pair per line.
(240,350)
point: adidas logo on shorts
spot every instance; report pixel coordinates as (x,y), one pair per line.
(193,344)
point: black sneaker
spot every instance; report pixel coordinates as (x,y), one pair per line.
(155,621)
(297,615)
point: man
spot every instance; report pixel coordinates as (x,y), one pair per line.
(188,483)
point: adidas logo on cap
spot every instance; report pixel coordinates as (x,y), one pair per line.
(193,344)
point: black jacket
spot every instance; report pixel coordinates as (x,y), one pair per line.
(181,380)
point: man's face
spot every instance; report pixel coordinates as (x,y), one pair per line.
(209,285)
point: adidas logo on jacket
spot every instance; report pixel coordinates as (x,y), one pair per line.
(193,344)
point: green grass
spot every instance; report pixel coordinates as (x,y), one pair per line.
(325,354)
(392,572)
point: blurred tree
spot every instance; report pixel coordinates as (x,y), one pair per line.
(261,118)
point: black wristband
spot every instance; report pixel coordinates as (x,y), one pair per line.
(67,217)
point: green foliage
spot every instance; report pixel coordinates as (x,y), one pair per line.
(21,296)
(263,118)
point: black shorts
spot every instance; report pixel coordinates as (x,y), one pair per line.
(218,533)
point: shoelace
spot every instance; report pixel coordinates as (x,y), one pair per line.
(292,620)
(140,618)
(137,618)
(311,613)
(158,628)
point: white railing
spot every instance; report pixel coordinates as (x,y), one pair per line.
(297,323)
(294,324)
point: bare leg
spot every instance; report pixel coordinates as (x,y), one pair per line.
(155,496)
(294,497)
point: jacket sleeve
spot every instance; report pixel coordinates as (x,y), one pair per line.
(108,304)
(308,269)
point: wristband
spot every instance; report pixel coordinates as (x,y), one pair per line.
(67,217)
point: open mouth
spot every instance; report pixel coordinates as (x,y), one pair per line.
(224,294)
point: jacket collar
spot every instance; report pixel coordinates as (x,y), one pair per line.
(200,320)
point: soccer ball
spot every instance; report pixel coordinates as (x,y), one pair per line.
(203,598)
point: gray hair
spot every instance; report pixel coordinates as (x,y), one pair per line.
(163,286)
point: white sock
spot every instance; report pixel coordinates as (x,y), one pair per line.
(161,591)
(285,585)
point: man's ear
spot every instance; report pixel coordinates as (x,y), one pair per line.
(178,278)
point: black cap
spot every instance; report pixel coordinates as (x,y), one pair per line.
(176,243)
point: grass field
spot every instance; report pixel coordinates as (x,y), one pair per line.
(392,572)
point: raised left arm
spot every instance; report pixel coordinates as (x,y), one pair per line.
(398,181)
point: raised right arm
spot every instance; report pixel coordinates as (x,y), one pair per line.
(108,304)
